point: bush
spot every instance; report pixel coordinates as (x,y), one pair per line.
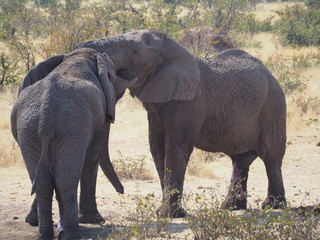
(208,221)
(249,24)
(290,78)
(313,4)
(299,25)
(131,168)
(9,71)
(142,222)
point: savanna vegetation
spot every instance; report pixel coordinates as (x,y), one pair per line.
(31,30)
(285,35)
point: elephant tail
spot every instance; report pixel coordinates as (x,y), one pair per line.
(44,156)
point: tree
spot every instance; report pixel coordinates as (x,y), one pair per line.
(16,30)
(9,71)
(45,3)
(299,25)
(315,4)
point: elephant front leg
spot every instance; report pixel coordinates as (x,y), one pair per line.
(172,184)
(157,148)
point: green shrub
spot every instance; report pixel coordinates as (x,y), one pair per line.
(313,4)
(248,23)
(290,78)
(142,222)
(9,71)
(299,25)
(208,221)
(131,168)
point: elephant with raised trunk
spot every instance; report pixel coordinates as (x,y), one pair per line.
(230,104)
(61,122)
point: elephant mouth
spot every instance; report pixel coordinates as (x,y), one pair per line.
(123,73)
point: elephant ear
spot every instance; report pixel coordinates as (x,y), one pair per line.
(178,78)
(107,88)
(40,71)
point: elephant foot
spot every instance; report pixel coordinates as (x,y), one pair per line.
(48,236)
(69,235)
(32,218)
(174,211)
(232,203)
(60,230)
(93,218)
(236,198)
(274,202)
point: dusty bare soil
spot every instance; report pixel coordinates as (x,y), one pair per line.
(300,172)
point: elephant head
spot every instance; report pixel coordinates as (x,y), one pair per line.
(164,70)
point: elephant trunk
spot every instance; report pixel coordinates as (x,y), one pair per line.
(106,164)
(108,170)
(120,85)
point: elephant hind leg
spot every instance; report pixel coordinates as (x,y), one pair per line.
(44,194)
(276,193)
(237,191)
(31,154)
(272,157)
(32,217)
(88,211)
(67,177)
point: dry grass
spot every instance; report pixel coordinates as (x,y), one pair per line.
(267,10)
(10,154)
(7,99)
(131,118)
(134,167)
(201,164)
(9,151)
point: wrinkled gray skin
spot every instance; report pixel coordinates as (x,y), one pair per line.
(61,123)
(230,104)
(88,212)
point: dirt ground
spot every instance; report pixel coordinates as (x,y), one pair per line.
(300,172)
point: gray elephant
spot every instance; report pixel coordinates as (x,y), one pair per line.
(88,212)
(61,124)
(229,104)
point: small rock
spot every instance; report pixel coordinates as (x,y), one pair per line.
(15,218)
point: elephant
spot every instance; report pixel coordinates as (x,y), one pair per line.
(230,103)
(61,121)
(88,212)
